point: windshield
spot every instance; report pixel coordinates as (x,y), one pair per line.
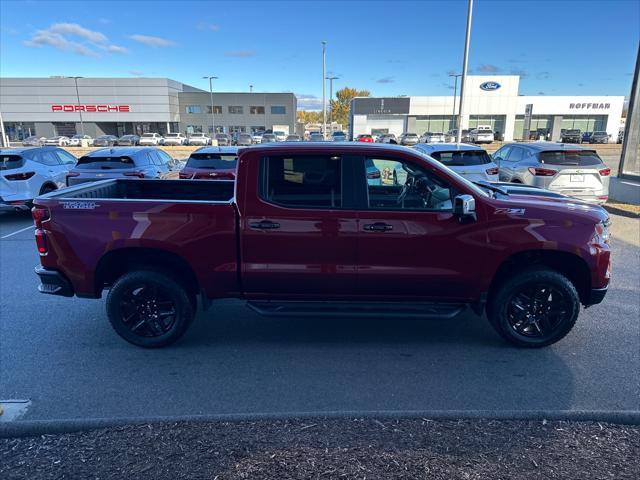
(11,162)
(472,186)
(105,163)
(212,161)
(462,158)
(573,132)
(173,135)
(583,158)
(148,135)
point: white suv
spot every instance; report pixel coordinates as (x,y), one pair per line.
(26,173)
(199,139)
(151,139)
(175,139)
(481,135)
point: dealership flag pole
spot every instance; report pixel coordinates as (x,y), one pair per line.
(324,90)
(464,71)
(213,123)
(331,79)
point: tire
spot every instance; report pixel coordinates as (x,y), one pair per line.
(47,189)
(529,324)
(143,328)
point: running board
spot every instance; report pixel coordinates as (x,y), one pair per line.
(272,308)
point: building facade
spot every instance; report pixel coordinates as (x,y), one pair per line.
(489,101)
(118,106)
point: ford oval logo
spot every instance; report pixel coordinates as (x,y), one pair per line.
(488,86)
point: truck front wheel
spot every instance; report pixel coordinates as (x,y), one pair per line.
(149,309)
(534,308)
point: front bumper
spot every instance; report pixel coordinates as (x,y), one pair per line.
(596,295)
(53,282)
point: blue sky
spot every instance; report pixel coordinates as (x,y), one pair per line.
(389,48)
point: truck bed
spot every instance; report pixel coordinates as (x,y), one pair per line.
(140,189)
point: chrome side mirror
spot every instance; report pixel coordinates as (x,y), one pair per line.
(464,207)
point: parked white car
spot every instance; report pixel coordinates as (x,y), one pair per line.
(433,137)
(26,173)
(199,139)
(470,161)
(76,140)
(175,139)
(481,135)
(151,139)
(280,135)
(58,141)
(256,137)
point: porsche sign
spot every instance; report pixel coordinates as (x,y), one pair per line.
(90,108)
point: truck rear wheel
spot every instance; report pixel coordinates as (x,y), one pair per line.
(149,309)
(534,308)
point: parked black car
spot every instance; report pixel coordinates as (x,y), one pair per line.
(129,140)
(599,137)
(586,136)
(105,141)
(572,135)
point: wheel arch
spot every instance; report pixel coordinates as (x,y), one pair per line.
(568,264)
(47,183)
(115,263)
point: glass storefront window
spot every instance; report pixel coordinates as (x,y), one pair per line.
(17,131)
(496,122)
(434,123)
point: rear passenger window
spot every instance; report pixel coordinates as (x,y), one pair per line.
(517,154)
(66,158)
(303,181)
(47,158)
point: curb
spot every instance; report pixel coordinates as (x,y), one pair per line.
(620,211)
(49,427)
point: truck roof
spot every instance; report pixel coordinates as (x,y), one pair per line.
(328,146)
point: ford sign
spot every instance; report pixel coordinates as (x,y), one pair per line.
(488,86)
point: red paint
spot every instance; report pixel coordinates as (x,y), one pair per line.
(323,253)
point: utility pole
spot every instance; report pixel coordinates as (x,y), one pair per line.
(75,79)
(465,62)
(324,88)
(331,79)
(455,92)
(213,121)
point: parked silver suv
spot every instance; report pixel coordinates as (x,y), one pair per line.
(567,169)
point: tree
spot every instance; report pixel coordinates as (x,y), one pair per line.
(340,106)
(306,116)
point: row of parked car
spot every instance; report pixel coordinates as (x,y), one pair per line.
(476,135)
(26,173)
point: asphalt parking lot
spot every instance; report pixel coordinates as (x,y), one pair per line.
(62,356)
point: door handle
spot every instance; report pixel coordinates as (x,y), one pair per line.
(378,227)
(264,225)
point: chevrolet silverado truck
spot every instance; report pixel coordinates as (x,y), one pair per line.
(302,232)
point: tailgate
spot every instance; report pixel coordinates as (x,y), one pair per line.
(81,231)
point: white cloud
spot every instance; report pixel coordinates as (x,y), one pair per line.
(212,27)
(309,102)
(72,37)
(78,31)
(152,41)
(240,53)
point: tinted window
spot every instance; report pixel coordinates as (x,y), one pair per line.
(194,109)
(582,158)
(517,154)
(164,156)
(459,159)
(303,181)
(502,154)
(65,157)
(104,163)
(236,109)
(47,158)
(11,162)
(213,161)
(256,110)
(278,110)
(397,185)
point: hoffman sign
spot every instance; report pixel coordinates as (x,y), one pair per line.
(599,106)
(91,108)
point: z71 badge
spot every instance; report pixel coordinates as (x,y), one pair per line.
(509,211)
(79,205)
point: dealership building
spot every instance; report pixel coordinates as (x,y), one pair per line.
(488,101)
(119,106)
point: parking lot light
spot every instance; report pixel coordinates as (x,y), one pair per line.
(213,123)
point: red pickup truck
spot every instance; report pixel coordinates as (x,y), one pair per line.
(304,232)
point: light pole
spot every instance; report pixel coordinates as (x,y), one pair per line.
(465,62)
(213,122)
(331,79)
(250,88)
(324,88)
(75,79)
(455,92)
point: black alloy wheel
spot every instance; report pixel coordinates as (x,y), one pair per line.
(536,311)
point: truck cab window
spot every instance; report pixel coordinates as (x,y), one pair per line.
(303,181)
(397,185)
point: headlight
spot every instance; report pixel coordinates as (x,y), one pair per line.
(601,234)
